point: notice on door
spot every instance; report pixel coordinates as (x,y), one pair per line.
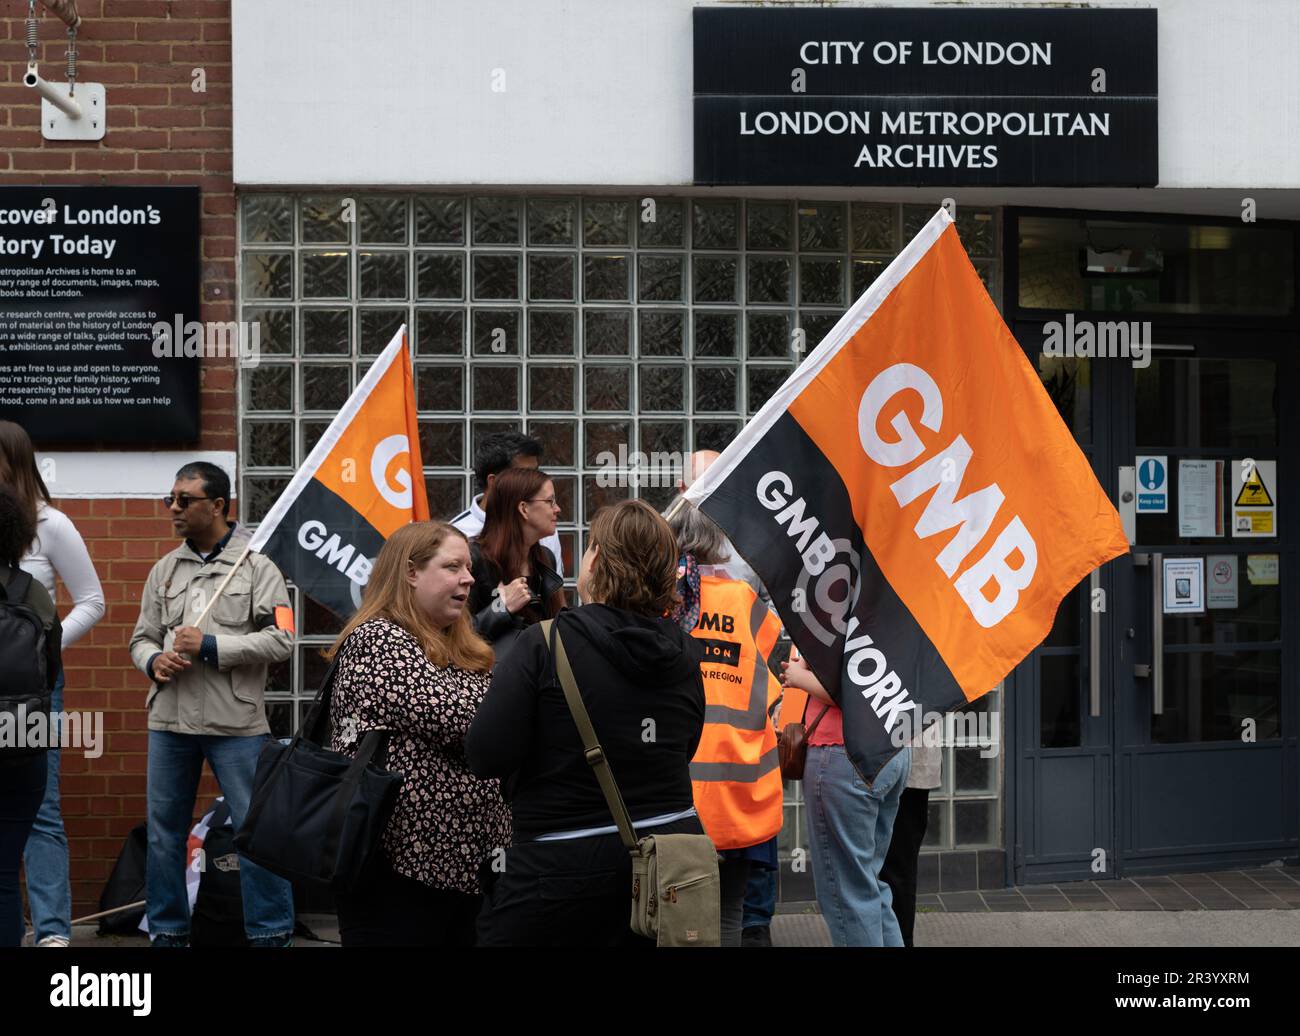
(1200,498)
(1262,569)
(1184,586)
(1254,499)
(86,273)
(1221,581)
(1152,485)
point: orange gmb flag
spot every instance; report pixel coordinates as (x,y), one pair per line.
(912,500)
(363,480)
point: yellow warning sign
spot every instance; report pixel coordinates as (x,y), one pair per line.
(1253,523)
(1253,492)
(1254,511)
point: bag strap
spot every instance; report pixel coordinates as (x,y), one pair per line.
(595,755)
(825,709)
(15,588)
(314,726)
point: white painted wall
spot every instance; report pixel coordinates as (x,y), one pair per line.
(74,475)
(598,92)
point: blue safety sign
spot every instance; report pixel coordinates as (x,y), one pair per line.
(1153,485)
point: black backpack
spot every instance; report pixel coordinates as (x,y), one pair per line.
(218,918)
(29,666)
(125,886)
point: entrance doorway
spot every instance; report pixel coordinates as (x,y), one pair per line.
(1155,727)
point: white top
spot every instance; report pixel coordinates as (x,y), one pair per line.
(59,550)
(926,763)
(471,524)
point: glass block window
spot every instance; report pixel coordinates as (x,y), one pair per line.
(965,810)
(599,323)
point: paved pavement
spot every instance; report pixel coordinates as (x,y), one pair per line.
(1257,906)
(1074,928)
(1003,928)
(1275,887)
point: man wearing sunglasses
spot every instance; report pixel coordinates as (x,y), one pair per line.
(206,701)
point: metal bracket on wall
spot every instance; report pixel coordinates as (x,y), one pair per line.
(64,115)
(59,124)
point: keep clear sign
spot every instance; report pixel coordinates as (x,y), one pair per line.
(1153,485)
(1254,498)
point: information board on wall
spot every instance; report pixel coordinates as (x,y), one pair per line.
(86,275)
(921,97)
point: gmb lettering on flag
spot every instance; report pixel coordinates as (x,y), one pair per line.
(362,481)
(912,500)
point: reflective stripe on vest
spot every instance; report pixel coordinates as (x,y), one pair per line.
(735,773)
(745,773)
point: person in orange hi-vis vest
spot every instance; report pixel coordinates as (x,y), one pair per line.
(735,774)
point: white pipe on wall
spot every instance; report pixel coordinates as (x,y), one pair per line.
(51,93)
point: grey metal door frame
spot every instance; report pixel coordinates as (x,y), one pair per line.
(1116,802)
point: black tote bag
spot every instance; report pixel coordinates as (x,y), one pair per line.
(317,815)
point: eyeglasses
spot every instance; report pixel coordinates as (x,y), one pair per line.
(549,500)
(184,500)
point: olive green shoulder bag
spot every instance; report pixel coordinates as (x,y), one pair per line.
(676,892)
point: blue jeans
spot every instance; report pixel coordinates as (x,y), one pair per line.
(760,893)
(21,787)
(45,859)
(851,826)
(175,763)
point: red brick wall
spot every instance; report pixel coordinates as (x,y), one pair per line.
(160,131)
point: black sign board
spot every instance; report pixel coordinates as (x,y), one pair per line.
(926,97)
(88,278)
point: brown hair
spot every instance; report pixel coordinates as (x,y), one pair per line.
(18,468)
(502,538)
(635,567)
(16,530)
(388,595)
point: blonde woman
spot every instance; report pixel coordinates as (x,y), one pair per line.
(410,662)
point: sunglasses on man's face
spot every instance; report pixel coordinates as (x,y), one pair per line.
(183,500)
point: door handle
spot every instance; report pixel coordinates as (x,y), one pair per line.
(1156,670)
(1126,485)
(1094,645)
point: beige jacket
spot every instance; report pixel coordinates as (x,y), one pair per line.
(225,698)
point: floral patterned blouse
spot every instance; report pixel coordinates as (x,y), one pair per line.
(446,822)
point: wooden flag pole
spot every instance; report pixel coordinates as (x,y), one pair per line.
(233,569)
(674,507)
(109,913)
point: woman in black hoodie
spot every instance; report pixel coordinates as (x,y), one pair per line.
(567,878)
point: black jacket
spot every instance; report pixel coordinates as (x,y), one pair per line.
(495,624)
(640,680)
